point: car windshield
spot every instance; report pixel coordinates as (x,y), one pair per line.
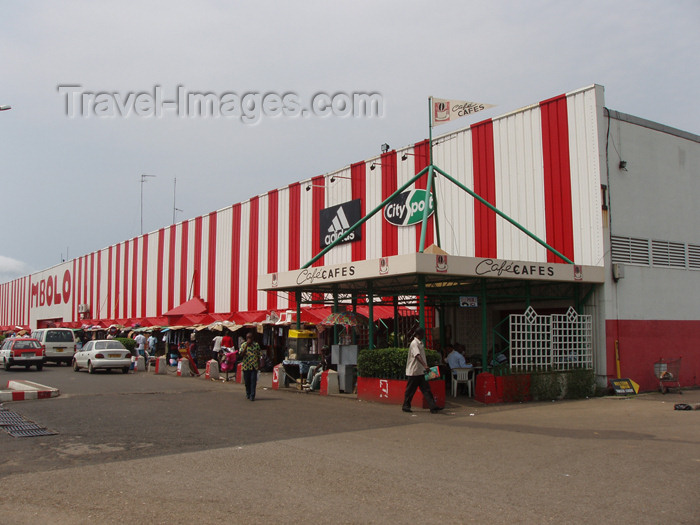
(59,336)
(109,345)
(23,345)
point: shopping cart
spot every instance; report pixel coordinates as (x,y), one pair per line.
(668,372)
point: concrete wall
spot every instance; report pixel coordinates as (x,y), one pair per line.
(653,311)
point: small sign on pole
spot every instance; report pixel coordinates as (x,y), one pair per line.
(469,301)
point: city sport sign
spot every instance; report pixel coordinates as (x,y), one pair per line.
(407,208)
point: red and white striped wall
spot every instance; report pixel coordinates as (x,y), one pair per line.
(540,165)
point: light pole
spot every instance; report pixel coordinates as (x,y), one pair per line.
(143,179)
(175,209)
(5,108)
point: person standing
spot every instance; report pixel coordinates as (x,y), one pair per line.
(217,348)
(250,361)
(416,368)
(152,344)
(193,348)
(227,341)
(141,345)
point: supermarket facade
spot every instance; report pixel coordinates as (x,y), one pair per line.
(592,219)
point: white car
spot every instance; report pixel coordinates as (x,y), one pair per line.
(21,351)
(102,355)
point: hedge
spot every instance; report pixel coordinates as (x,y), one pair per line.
(128,343)
(389,363)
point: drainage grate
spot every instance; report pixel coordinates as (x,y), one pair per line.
(15,425)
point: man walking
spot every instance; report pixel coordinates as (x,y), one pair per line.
(416,368)
(249,365)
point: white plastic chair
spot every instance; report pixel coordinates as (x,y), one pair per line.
(462,375)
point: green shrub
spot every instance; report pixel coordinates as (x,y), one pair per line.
(546,386)
(128,343)
(389,363)
(580,383)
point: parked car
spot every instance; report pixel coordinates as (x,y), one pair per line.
(102,355)
(22,351)
(60,344)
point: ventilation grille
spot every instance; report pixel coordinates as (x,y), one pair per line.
(668,254)
(694,256)
(629,250)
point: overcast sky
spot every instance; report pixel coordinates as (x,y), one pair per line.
(72,185)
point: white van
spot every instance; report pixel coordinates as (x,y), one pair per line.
(60,344)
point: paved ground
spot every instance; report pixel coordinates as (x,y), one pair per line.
(176,450)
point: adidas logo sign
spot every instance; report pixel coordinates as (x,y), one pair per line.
(338,227)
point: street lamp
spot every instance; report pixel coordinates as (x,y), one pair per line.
(143,179)
(175,209)
(5,108)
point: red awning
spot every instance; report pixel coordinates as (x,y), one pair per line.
(381,311)
(315,314)
(194,306)
(249,317)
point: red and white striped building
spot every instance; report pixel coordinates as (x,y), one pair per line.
(544,165)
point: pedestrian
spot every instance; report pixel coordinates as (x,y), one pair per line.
(227,341)
(141,345)
(416,368)
(250,361)
(216,342)
(152,344)
(193,348)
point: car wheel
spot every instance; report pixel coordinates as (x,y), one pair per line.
(39,367)
(7,366)
(75,366)
(125,370)
(91,369)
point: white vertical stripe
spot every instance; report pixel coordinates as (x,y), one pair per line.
(305,224)
(153,274)
(177,273)
(405,170)
(372,199)
(519,171)
(284,227)
(583,111)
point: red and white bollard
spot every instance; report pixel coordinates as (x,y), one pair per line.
(212,371)
(160,367)
(183,367)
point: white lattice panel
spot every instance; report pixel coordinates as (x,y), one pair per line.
(557,342)
(572,341)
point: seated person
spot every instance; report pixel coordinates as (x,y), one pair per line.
(455,359)
(313,378)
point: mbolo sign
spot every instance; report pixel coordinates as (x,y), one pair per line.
(407,208)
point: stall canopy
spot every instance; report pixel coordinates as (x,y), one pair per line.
(194,306)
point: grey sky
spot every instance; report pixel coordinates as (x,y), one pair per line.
(72,185)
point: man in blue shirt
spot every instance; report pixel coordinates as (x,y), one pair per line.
(456,360)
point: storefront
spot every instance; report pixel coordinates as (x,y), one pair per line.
(535,213)
(447,284)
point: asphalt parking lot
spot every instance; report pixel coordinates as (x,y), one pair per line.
(162,449)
